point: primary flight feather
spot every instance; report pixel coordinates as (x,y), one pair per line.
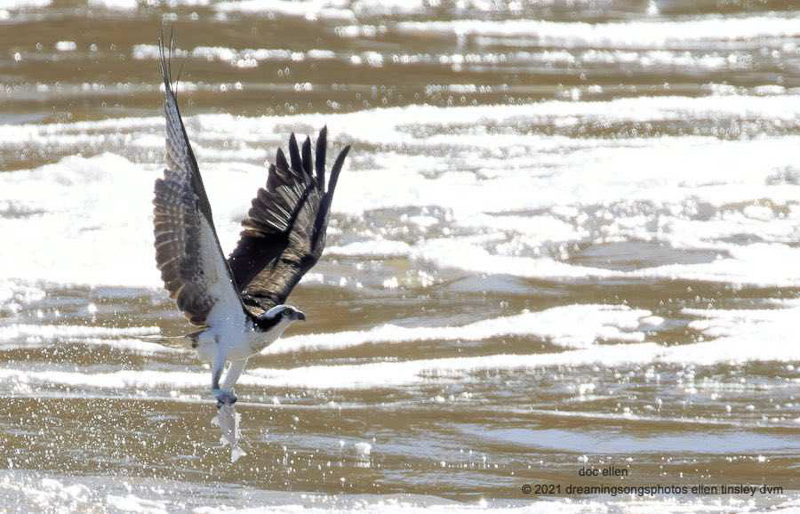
(238,301)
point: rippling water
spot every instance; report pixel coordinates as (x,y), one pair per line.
(567,237)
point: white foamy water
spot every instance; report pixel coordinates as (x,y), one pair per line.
(64,493)
(311,10)
(598,192)
(741,335)
(738,337)
(645,60)
(22,4)
(401,374)
(14,296)
(653,34)
(242,58)
(16,336)
(568,326)
(79,205)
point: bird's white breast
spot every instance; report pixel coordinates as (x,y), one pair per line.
(260,340)
(237,341)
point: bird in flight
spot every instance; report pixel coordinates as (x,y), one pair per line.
(239,301)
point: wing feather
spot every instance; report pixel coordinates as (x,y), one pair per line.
(294,154)
(307,156)
(284,232)
(188,254)
(322,148)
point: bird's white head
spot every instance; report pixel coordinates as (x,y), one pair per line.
(270,325)
(283,313)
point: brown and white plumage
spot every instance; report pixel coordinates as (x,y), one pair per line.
(188,252)
(240,300)
(284,232)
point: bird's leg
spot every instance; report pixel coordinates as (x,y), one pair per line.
(234,372)
(223,396)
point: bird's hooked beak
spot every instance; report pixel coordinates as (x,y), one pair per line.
(299,316)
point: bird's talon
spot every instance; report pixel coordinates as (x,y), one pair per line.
(224,397)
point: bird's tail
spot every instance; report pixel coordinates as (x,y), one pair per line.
(184,342)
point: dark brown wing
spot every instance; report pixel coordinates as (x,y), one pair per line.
(188,253)
(284,232)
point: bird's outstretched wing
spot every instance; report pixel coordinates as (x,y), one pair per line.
(284,232)
(188,253)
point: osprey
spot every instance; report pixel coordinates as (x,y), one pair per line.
(239,302)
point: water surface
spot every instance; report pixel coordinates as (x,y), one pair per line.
(566,238)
